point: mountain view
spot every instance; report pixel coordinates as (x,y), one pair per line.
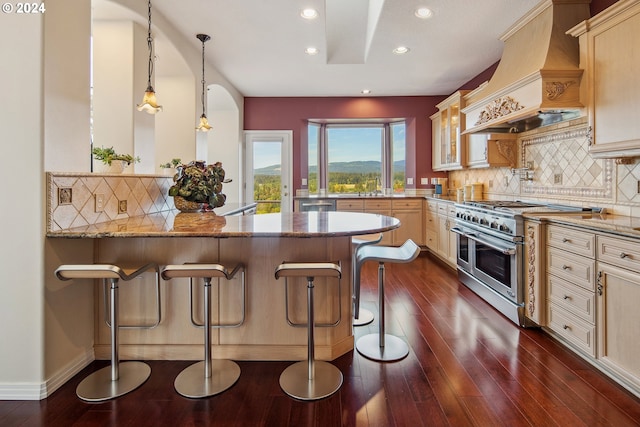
(357,167)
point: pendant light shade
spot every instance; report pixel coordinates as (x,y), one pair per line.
(149,102)
(204,125)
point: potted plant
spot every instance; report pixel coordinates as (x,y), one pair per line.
(198,186)
(169,167)
(113,161)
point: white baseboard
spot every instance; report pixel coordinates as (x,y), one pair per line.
(39,391)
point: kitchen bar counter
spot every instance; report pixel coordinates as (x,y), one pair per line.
(261,243)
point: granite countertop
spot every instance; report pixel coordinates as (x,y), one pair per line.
(356,196)
(208,224)
(617,224)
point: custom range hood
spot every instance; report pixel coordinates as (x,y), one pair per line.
(538,79)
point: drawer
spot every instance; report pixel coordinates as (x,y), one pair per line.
(578,332)
(412,204)
(619,252)
(377,204)
(451,211)
(572,298)
(570,239)
(443,208)
(574,268)
(350,205)
(432,206)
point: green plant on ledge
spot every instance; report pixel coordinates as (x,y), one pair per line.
(172,164)
(108,155)
(199,183)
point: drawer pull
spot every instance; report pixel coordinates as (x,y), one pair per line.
(623,255)
(565,240)
(566,267)
(566,327)
(566,297)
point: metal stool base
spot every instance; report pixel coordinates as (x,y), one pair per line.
(364,318)
(394,348)
(296,383)
(98,386)
(192,383)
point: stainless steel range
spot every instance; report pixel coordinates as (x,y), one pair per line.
(490,254)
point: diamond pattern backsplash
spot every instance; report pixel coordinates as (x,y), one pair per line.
(563,172)
(72,200)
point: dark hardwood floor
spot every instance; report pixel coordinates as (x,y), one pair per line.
(468,366)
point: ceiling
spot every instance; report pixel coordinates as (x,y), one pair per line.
(258,45)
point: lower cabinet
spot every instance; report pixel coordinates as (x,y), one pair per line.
(593,291)
(439,220)
(618,316)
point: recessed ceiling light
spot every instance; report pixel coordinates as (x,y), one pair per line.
(309,13)
(311,51)
(423,13)
(401,50)
(365,91)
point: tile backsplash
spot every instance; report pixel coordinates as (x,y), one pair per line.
(563,172)
(78,199)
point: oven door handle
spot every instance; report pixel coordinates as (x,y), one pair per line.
(474,237)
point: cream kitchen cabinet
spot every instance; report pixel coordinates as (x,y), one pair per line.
(610,56)
(570,266)
(409,212)
(431,225)
(447,248)
(534,271)
(447,141)
(491,150)
(618,316)
(380,206)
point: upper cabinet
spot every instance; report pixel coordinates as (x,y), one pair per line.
(491,150)
(610,55)
(447,142)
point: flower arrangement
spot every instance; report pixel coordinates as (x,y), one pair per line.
(108,155)
(199,183)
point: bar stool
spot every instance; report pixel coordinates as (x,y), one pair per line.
(119,378)
(361,316)
(207,377)
(384,347)
(311,379)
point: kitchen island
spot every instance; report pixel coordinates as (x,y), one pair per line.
(261,243)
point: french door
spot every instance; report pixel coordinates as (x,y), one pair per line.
(269,170)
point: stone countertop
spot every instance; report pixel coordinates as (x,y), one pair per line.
(208,224)
(609,223)
(355,196)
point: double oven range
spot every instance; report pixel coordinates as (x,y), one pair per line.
(490,252)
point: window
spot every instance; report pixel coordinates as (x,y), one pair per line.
(356,158)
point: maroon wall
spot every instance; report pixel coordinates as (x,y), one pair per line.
(293,113)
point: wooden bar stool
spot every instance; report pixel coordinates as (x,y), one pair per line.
(384,347)
(207,377)
(361,316)
(311,379)
(119,378)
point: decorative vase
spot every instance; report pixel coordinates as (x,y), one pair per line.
(187,206)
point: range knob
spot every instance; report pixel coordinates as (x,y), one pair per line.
(484,221)
(494,224)
(474,219)
(504,228)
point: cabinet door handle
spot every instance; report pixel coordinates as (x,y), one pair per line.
(566,267)
(623,255)
(565,240)
(566,297)
(566,327)
(599,283)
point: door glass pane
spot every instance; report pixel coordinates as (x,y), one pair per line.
(313,140)
(398,147)
(267,175)
(354,157)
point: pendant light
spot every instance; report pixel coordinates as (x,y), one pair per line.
(204,123)
(149,102)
